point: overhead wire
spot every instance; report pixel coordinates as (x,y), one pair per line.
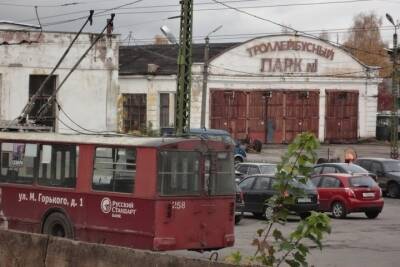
(250,73)
(100,13)
(197,4)
(291,28)
(78,125)
(40,24)
(337,75)
(123,7)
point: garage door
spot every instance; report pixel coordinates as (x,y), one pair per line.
(242,113)
(302,113)
(341,116)
(290,113)
(269,116)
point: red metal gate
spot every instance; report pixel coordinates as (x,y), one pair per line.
(275,117)
(269,116)
(240,113)
(256,115)
(301,113)
(341,116)
(291,113)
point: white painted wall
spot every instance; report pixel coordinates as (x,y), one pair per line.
(89,96)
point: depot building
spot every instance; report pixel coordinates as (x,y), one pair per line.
(269,88)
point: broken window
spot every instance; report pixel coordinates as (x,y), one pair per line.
(134,110)
(35,81)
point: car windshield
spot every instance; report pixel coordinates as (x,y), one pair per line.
(362,181)
(307,185)
(268,169)
(392,166)
(228,139)
(354,168)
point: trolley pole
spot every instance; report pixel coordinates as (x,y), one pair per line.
(394,148)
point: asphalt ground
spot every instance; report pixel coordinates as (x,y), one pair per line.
(354,242)
(273,153)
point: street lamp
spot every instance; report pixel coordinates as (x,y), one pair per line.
(205,77)
(168,34)
(394,150)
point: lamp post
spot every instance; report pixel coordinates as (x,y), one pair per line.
(394,150)
(205,77)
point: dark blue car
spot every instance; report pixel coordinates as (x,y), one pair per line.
(221,135)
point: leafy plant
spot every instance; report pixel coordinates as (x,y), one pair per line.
(273,248)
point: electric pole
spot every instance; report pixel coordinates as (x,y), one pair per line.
(394,149)
(205,77)
(183,92)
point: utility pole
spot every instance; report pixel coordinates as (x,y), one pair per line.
(183,92)
(205,77)
(394,149)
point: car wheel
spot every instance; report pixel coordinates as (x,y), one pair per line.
(238,160)
(257,145)
(372,214)
(338,210)
(268,213)
(393,190)
(238,218)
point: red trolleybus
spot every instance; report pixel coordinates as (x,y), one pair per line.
(147,193)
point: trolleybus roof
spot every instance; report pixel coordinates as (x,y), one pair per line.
(90,139)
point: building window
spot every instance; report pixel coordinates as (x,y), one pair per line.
(134,110)
(47,119)
(164,110)
(167,111)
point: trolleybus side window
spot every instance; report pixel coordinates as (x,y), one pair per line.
(17,162)
(57,165)
(114,169)
(222,182)
(178,173)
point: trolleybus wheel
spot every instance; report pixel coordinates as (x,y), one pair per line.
(57,224)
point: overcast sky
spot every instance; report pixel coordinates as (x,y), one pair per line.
(144,18)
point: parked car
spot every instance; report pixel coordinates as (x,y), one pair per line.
(343,193)
(339,167)
(239,205)
(239,154)
(243,170)
(259,188)
(387,172)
